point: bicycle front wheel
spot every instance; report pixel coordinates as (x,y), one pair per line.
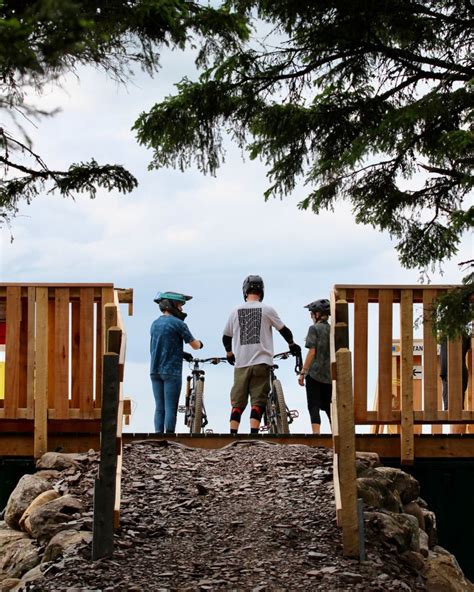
(198,402)
(282,417)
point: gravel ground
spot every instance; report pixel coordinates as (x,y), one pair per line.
(251,517)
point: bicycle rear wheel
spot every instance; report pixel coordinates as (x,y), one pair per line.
(282,417)
(198,399)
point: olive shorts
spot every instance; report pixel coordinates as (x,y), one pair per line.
(253,381)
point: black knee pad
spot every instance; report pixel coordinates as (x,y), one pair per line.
(236,414)
(256,412)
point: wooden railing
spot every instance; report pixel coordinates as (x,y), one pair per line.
(395,403)
(54,347)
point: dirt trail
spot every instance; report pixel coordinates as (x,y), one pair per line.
(250,517)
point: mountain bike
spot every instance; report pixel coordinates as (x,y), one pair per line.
(195,417)
(277,416)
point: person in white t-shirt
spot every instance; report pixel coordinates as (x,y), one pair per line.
(248,341)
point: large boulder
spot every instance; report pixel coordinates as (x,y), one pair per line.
(18,557)
(403,483)
(40,500)
(399,529)
(64,542)
(365,461)
(376,493)
(443,574)
(46,520)
(27,489)
(58,461)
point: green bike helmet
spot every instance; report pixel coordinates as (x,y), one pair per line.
(166,301)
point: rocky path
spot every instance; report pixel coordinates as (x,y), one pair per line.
(251,517)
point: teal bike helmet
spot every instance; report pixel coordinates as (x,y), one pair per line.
(167,303)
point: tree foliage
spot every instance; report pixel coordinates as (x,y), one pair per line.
(42,40)
(368,101)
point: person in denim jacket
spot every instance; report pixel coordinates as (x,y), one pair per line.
(168,333)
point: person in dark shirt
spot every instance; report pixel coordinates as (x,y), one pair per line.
(167,335)
(316,371)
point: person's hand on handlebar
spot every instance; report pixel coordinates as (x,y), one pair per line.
(295,349)
(231,358)
(187,356)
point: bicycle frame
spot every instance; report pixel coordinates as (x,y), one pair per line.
(195,416)
(277,415)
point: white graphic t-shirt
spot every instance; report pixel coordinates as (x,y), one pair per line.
(250,327)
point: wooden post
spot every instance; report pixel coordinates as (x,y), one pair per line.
(346,453)
(407,446)
(104,487)
(361,299)
(61,354)
(41,383)
(385,354)
(30,360)
(12,352)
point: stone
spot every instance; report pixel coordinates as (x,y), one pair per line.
(27,489)
(46,520)
(19,557)
(9,584)
(376,493)
(399,529)
(65,541)
(40,500)
(430,527)
(365,461)
(414,509)
(407,486)
(58,461)
(35,574)
(424,543)
(442,574)
(413,559)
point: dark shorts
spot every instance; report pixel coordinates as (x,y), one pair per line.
(319,396)
(253,381)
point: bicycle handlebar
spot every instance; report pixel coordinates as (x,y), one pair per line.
(214,360)
(287,354)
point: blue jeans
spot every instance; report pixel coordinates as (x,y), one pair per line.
(166,390)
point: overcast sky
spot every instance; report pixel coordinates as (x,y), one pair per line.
(188,233)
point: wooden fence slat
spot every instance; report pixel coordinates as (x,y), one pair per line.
(86,347)
(23,337)
(30,361)
(455,394)
(51,349)
(430,355)
(61,354)
(407,445)
(75,354)
(385,354)
(41,390)
(361,298)
(12,353)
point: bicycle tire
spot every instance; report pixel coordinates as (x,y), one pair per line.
(282,417)
(196,426)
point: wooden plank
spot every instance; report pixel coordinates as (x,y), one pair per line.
(346,456)
(107,297)
(51,337)
(12,352)
(341,325)
(61,354)
(31,354)
(104,487)
(360,353)
(23,337)
(75,354)
(385,354)
(455,394)
(86,349)
(430,355)
(407,446)
(41,391)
